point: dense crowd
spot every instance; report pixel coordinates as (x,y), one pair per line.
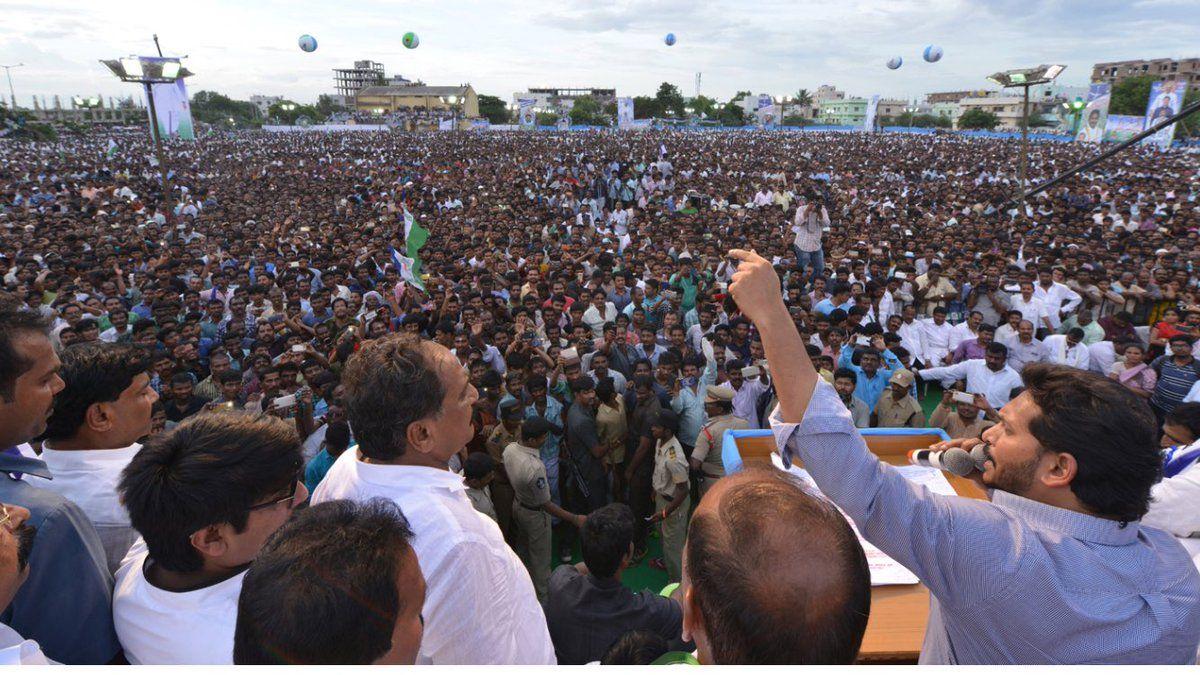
(581,283)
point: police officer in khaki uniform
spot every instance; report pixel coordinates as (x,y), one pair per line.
(532,507)
(896,406)
(672,500)
(502,492)
(706,457)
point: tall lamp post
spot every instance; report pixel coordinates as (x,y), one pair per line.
(910,109)
(8,73)
(1025,78)
(148,70)
(1074,108)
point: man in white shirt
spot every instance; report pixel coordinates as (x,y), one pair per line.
(16,544)
(205,497)
(1174,498)
(989,376)
(1031,308)
(967,330)
(1068,350)
(936,334)
(1058,299)
(92,435)
(410,406)
(599,312)
(912,332)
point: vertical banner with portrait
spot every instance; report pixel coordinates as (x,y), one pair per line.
(526,117)
(1095,114)
(173,111)
(1166,99)
(765,112)
(624,112)
(872,111)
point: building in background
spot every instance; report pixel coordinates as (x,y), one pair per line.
(348,81)
(384,100)
(264,103)
(853,111)
(556,98)
(954,96)
(1114,72)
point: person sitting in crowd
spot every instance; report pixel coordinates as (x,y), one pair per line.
(963,415)
(288,612)
(1174,498)
(204,498)
(989,376)
(589,609)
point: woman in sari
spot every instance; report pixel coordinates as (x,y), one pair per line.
(1133,372)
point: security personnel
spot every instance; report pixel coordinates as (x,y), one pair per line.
(896,406)
(502,492)
(671,498)
(706,457)
(532,507)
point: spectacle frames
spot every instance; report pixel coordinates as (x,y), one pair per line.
(288,499)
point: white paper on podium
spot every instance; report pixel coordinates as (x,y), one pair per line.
(885,571)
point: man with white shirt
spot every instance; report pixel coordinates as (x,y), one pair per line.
(16,544)
(808,224)
(1068,350)
(410,406)
(205,497)
(989,376)
(1032,308)
(1007,332)
(912,332)
(599,312)
(1174,498)
(1058,299)
(967,330)
(936,335)
(92,434)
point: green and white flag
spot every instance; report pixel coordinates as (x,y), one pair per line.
(414,239)
(112,149)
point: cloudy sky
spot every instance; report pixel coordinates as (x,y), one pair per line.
(775,46)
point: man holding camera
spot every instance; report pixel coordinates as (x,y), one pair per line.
(810,220)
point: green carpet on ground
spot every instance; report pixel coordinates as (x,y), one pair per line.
(642,576)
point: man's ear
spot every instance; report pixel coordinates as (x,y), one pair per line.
(419,437)
(210,541)
(1061,471)
(98,417)
(693,622)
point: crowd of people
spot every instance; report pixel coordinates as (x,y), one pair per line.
(230,417)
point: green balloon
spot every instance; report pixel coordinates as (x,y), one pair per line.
(410,40)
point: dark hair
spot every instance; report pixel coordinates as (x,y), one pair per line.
(323,589)
(845,374)
(210,469)
(770,562)
(997,348)
(1186,415)
(605,539)
(1076,333)
(93,372)
(13,323)
(635,648)
(478,465)
(337,438)
(1109,431)
(391,383)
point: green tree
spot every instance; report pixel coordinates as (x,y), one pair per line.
(586,111)
(1130,96)
(1189,127)
(278,111)
(493,108)
(732,115)
(802,98)
(211,107)
(740,95)
(703,106)
(546,119)
(326,107)
(670,100)
(645,107)
(978,118)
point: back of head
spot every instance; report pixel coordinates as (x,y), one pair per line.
(768,562)
(390,383)
(92,372)
(1109,431)
(605,539)
(635,648)
(209,470)
(324,590)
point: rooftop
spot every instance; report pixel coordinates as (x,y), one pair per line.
(397,90)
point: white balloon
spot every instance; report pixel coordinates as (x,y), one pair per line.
(895,62)
(933,53)
(307,43)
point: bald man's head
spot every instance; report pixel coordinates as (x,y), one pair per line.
(773,575)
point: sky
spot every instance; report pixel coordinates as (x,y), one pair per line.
(501,47)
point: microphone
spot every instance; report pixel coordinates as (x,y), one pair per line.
(955,460)
(980,454)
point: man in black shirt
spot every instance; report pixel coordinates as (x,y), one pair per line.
(587,606)
(184,403)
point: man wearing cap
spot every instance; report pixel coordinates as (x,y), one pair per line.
(706,457)
(502,490)
(672,500)
(533,507)
(897,407)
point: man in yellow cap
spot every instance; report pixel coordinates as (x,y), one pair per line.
(706,457)
(897,407)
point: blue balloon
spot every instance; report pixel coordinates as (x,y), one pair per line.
(669,39)
(307,43)
(933,53)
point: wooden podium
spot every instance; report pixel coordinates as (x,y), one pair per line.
(896,628)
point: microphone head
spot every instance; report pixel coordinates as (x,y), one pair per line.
(958,462)
(979,455)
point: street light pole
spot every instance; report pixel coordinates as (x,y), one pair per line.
(1023,166)
(8,72)
(1025,78)
(158,150)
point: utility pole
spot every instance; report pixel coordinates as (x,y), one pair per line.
(13,95)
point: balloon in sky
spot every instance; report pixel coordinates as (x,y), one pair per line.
(669,39)
(895,62)
(307,43)
(410,40)
(933,53)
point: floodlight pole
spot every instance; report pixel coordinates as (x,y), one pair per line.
(1022,165)
(12,94)
(158,151)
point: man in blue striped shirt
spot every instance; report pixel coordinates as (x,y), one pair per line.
(1055,568)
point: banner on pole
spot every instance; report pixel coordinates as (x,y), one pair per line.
(174,113)
(764,112)
(1166,99)
(624,112)
(872,111)
(526,117)
(1094,114)
(1120,128)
